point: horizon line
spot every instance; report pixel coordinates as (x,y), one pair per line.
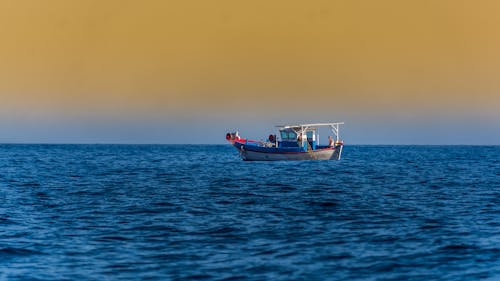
(114,143)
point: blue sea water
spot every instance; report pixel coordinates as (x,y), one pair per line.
(163,212)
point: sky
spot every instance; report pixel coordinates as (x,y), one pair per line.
(396,72)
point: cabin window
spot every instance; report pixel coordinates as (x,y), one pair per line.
(288,135)
(284,135)
(310,134)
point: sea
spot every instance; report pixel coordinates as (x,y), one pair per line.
(198,212)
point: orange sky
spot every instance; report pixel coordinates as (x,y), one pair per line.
(172,59)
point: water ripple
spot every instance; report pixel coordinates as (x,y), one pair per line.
(199,213)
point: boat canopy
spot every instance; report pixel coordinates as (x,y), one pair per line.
(304,128)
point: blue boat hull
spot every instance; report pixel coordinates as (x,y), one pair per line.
(255,153)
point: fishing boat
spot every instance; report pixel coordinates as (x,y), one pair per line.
(294,142)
